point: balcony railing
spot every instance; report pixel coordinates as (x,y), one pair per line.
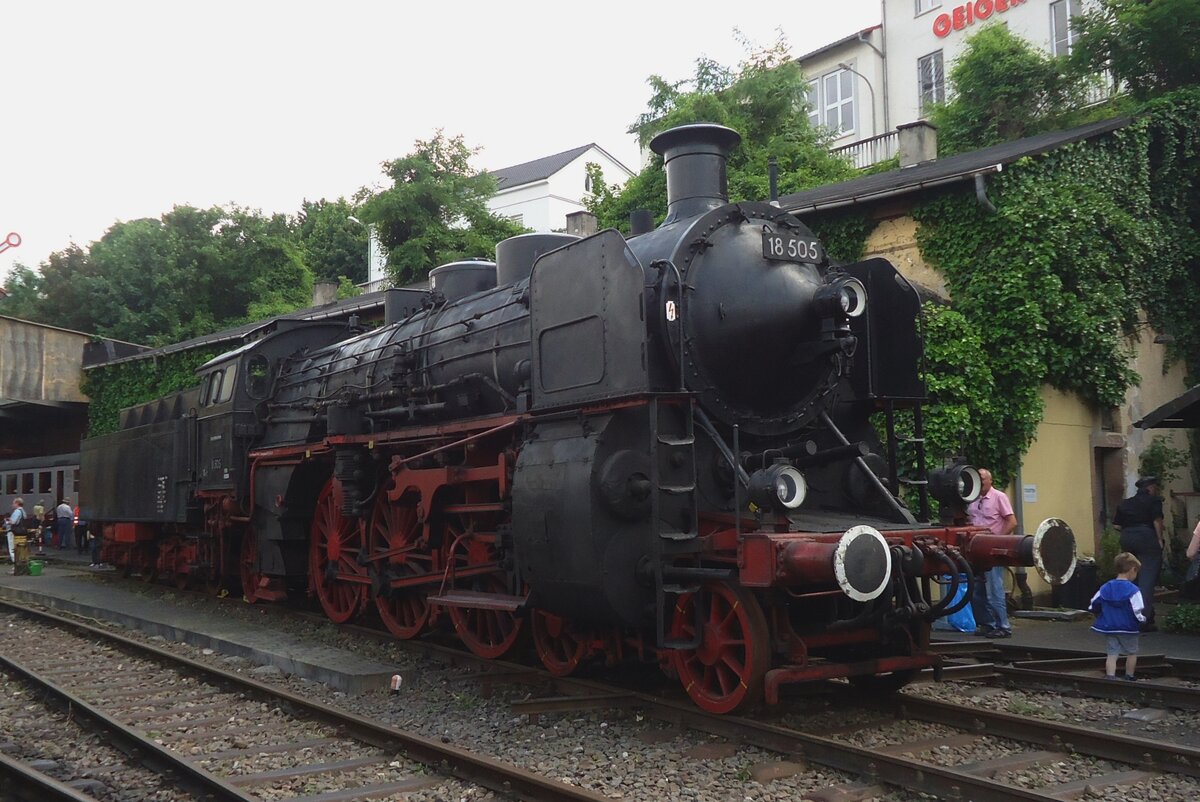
(866,152)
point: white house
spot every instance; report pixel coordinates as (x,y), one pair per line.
(541,193)
(864,85)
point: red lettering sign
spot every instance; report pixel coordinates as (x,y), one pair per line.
(968,14)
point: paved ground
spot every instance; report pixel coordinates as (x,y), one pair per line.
(64,585)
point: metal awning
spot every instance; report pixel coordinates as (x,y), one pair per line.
(1182,412)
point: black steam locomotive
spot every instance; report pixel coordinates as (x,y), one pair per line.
(657,447)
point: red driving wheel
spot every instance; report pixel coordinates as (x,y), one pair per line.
(728,667)
(333,568)
(392,542)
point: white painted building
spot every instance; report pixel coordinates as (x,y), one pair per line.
(541,193)
(866,84)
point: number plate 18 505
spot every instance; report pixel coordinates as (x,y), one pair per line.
(785,247)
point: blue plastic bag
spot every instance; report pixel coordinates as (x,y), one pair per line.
(964,619)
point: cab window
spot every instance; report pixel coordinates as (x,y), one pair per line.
(206,390)
(258,376)
(228,379)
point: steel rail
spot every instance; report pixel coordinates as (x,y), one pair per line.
(129,740)
(1142,752)
(503,778)
(1140,691)
(908,773)
(20,781)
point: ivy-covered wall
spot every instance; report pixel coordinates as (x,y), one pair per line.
(1048,289)
(115,387)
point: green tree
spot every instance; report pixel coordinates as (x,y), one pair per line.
(333,244)
(1151,46)
(436,209)
(764,99)
(23,288)
(1004,88)
(188,273)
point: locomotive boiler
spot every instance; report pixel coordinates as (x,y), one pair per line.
(658,446)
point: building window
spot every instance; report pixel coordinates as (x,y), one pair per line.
(519,219)
(927,5)
(1062,37)
(931,79)
(837,95)
(814,103)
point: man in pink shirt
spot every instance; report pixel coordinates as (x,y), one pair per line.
(992,510)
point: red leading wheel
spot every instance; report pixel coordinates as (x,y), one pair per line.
(728,667)
(560,646)
(333,568)
(392,542)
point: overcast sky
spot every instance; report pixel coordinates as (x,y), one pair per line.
(118,110)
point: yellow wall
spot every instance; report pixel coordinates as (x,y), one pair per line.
(1083,460)
(1057,468)
(895,239)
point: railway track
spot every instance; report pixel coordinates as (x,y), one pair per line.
(1083,759)
(233,738)
(878,750)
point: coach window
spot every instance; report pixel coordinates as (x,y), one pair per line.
(44,485)
(27,483)
(10,484)
(258,376)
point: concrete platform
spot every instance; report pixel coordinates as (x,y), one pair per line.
(65,586)
(1077,635)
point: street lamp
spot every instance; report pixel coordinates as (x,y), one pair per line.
(374,255)
(843,65)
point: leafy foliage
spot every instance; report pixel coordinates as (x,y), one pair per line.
(1054,282)
(160,281)
(1152,47)
(843,234)
(1184,618)
(764,99)
(115,387)
(436,210)
(1005,89)
(1162,460)
(334,245)
(1110,547)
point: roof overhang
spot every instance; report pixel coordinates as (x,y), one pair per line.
(1182,412)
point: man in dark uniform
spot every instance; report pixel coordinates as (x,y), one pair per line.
(1140,519)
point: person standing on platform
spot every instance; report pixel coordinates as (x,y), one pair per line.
(993,511)
(36,530)
(64,522)
(1140,519)
(13,523)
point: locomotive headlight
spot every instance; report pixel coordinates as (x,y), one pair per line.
(843,295)
(853,297)
(955,485)
(779,486)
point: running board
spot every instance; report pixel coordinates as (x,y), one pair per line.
(478,600)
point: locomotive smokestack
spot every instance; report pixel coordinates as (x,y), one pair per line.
(694,157)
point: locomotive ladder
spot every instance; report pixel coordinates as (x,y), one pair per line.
(673,506)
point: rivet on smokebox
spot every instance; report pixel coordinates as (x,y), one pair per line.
(395,684)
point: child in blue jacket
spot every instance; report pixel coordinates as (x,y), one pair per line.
(1118,607)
